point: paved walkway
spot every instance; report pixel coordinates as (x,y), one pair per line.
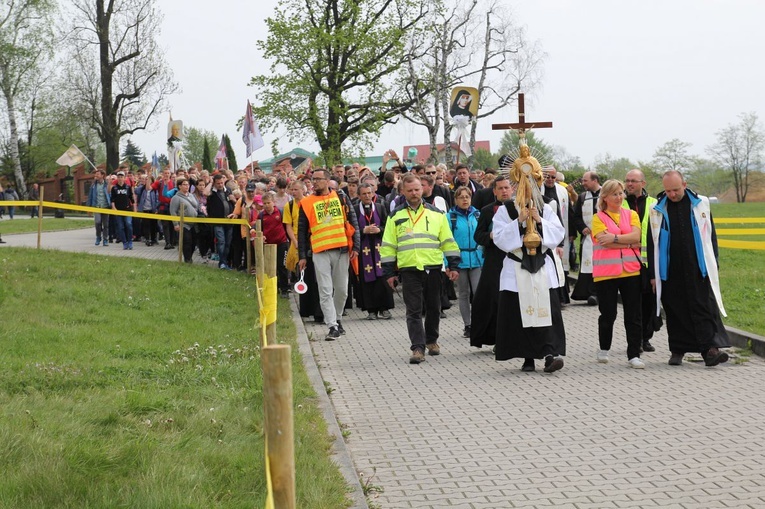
(464,431)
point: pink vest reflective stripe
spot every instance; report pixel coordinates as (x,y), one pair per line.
(610,262)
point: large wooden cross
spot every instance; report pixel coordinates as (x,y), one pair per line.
(521,126)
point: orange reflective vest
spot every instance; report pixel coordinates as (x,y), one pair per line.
(326,218)
(612,262)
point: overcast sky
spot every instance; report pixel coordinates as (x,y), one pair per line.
(620,77)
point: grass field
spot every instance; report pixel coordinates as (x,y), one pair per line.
(129,383)
(49,224)
(742,272)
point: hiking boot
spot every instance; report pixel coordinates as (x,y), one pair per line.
(676,359)
(340,328)
(466,332)
(371,315)
(648,347)
(433,349)
(385,314)
(333,334)
(552,364)
(528,366)
(714,357)
(418,356)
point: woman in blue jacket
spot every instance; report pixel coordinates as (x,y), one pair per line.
(463,219)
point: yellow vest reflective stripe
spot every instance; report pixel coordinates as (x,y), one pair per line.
(644,226)
(326,219)
(419,245)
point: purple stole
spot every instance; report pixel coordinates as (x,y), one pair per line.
(370,246)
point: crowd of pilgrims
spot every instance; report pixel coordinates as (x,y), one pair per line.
(479,209)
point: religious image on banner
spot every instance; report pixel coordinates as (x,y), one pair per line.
(464,101)
(175,144)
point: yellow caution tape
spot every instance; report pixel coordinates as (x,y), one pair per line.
(740,231)
(111,212)
(739,220)
(741,244)
(269,482)
(268,310)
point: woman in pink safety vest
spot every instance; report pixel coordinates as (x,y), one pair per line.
(616,269)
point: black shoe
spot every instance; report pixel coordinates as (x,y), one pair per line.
(340,328)
(371,315)
(676,359)
(168,246)
(345,313)
(442,315)
(648,347)
(553,364)
(384,314)
(528,366)
(466,332)
(333,334)
(714,356)
(592,300)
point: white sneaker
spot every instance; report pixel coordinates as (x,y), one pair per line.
(636,363)
(603,356)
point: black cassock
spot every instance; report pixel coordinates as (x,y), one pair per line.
(375,295)
(693,317)
(483,312)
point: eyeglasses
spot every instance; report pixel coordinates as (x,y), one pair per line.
(430,173)
(550,177)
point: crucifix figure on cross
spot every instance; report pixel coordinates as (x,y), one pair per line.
(521,126)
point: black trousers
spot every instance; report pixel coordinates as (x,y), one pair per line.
(189,243)
(422,288)
(630,290)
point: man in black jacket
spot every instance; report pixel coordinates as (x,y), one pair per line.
(219,205)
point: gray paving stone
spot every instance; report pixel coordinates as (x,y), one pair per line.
(461,430)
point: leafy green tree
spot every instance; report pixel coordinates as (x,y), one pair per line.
(708,178)
(25,42)
(206,157)
(133,154)
(333,69)
(230,154)
(194,143)
(608,167)
(542,151)
(483,159)
(673,155)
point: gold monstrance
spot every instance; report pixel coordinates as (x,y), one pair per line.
(527,172)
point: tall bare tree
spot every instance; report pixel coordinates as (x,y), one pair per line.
(435,65)
(510,63)
(25,41)
(477,44)
(118,70)
(739,150)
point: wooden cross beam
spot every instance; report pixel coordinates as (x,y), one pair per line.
(521,126)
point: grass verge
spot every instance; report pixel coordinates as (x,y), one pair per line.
(134,383)
(49,224)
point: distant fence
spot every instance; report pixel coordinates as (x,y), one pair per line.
(740,244)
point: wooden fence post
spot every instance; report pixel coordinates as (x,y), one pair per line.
(279,427)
